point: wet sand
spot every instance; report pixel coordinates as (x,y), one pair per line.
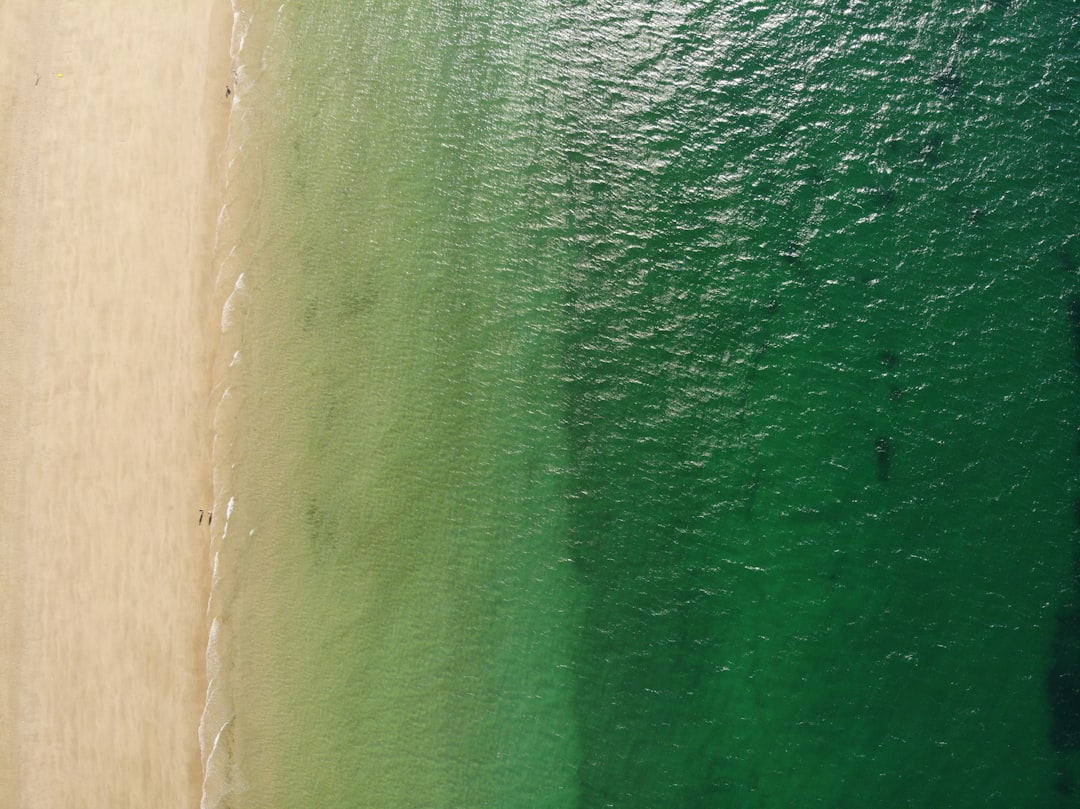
(112,120)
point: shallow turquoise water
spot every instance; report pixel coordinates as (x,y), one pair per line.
(655,405)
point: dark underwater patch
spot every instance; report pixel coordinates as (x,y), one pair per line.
(1073,306)
(1068,262)
(883,449)
(1063,681)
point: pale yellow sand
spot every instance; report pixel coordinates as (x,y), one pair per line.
(112,115)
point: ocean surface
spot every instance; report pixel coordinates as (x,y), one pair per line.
(649,404)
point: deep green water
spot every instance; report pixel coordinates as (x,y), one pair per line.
(647,405)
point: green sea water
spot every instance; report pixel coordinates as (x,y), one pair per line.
(649,404)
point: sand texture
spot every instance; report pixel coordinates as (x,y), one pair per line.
(112,117)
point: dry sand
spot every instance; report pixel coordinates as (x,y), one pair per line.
(112,118)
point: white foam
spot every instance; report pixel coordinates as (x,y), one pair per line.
(231,303)
(214,787)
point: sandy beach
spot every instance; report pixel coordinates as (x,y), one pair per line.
(112,120)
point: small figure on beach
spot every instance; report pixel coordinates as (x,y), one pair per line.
(228,91)
(200,516)
(210,517)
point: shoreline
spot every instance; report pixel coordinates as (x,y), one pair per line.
(110,188)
